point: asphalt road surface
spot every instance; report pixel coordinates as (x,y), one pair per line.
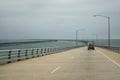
(76,64)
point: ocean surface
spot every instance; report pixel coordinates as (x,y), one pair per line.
(104,42)
(42,44)
(35,45)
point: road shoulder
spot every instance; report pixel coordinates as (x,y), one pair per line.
(113,55)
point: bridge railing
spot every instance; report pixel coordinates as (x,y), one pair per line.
(117,49)
(8,56)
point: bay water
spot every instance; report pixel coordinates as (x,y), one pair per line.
(102,42)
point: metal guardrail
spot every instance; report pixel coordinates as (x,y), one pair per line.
(8,56)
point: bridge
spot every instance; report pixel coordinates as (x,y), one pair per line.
(84,41)
(38,41)
(76,63)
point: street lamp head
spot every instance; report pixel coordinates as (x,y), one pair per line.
(82,29)
(98,15)
(101,16)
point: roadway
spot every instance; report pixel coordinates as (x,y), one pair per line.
(75,64)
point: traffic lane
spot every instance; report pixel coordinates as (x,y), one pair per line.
(41,68)
(90,65)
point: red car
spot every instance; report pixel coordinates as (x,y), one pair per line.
(91,46)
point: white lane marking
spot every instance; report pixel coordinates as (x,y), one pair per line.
(109,58)
(53,71)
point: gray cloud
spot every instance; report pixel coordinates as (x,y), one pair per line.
(57,18)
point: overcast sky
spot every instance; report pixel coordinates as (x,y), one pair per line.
(58,19)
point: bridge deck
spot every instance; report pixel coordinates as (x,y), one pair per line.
(76,64)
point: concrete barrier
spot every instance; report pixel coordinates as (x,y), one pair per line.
(116,49)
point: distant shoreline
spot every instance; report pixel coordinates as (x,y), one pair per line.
(24,42)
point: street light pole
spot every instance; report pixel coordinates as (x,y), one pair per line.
(77,37)
(108,27)
(96,39)
(108,31)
